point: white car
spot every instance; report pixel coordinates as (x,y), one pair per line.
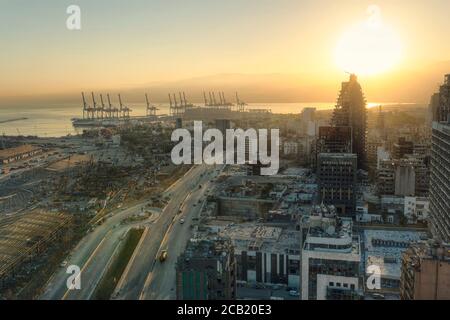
(294,293)
(181,221)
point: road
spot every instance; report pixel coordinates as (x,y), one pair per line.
(91,255)
(183,194)
(160,282)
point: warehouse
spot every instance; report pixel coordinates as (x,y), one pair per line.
(18,153)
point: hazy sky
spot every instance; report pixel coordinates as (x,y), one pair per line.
(133,43)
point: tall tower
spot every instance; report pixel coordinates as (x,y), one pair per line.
(443,109)
(351,111)
(440,168)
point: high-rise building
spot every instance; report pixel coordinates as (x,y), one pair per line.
(442,108)
(334,140)
(206,271)
(433,108)
(337,181)
(331,259)
(439,181)
(425,272)
(440,164)
(351,111)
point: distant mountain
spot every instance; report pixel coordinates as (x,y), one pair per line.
(415,85)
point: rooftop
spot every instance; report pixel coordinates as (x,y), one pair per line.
(331,234)
(11,152)
(384,248)
(204,248)
(251,237)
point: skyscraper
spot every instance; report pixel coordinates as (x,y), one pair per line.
(439,181)
(351,111)
(443,108)
(440,166)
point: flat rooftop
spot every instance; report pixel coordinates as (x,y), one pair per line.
(384,248)
(251,237)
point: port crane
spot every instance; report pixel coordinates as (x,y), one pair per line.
(124,111)
(96,109)
(104,109)
(240,105)
(114,112)
(151,109)
(88,111)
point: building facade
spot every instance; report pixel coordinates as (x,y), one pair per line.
(351,112)
(440,182)
(266,255)
(337,181)
(425,273)
(331,260)
(206,271)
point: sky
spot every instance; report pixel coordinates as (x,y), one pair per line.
(283,50)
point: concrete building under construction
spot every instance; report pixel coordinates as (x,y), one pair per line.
(351,111)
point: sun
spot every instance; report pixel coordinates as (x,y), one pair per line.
(368,48)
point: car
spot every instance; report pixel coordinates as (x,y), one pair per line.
(181,221)
(294,293)
(163,256)
(378,296)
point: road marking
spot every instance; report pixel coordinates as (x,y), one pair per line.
(88,261)
(108,264)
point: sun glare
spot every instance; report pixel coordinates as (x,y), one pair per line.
(368,48)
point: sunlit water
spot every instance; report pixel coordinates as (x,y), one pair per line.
(55,121)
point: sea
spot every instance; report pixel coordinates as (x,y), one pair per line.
(55,120)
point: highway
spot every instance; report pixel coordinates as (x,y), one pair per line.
(160,282)
(92,255)
(183,194)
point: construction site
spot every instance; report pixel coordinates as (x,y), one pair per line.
(25,243)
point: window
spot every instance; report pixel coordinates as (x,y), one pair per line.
(331,284)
